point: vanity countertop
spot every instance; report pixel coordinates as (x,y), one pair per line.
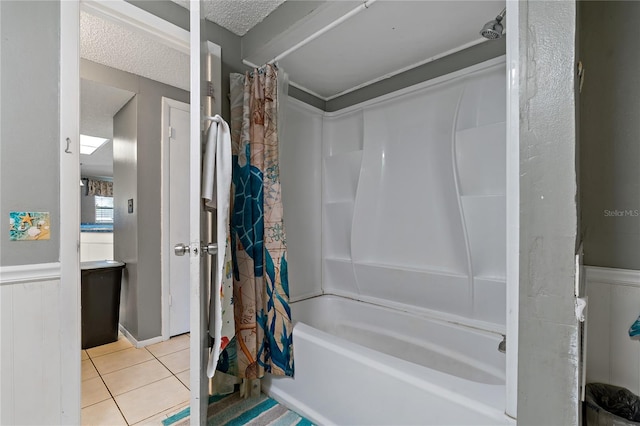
(96,227)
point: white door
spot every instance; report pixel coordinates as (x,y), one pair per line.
(176,177)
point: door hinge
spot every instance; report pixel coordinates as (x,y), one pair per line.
(210,89)
(172,133)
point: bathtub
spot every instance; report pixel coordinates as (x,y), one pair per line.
(361,364)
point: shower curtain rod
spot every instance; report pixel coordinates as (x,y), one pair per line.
(261,69)
(364,5)
(340,20)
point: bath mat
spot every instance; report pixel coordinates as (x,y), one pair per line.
(232,410)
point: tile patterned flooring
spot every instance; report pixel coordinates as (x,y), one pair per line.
(122,385)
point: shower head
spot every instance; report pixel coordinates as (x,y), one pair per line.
(494,29)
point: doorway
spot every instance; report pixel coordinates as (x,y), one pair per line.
(141,376)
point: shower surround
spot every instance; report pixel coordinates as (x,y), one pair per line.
(413,233)
(414,199)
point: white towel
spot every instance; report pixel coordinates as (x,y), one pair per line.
(216,192)
(209,167)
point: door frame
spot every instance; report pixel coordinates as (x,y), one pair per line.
(166,249)
(70,334)
(513,204)
(139,20)
(124,13)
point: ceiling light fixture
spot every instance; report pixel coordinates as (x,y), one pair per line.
(88,144)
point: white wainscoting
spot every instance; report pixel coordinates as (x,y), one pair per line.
(30,344)
(614,304)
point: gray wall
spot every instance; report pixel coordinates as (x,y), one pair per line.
(610,134)
(148,202)
(29,124)
(446,65)
(87,206)
(125,228)
(137,168)
(548,332)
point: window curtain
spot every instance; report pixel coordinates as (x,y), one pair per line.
(263,340)
(101,188)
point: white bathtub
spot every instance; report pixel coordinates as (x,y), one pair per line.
(361,364)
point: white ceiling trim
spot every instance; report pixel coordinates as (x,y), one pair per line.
(304,89)
(419,86)
(408,67)
(384,77)
(123,13)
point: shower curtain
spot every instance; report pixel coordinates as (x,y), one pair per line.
(263,341)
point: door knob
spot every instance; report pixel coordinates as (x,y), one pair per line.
(211,249)
(180,249)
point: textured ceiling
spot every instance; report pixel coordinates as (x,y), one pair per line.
(116,46)
(238,16)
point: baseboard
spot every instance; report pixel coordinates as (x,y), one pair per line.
(38,272)
(626,277)
(142,343)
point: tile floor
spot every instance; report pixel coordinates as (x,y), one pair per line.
(122,385)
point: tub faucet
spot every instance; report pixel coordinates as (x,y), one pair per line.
(502,346)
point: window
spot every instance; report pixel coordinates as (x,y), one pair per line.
(104,209)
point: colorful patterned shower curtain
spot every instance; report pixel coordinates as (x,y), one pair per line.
(263,341)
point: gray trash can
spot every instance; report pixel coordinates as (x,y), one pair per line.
(100,301)
(608,405)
